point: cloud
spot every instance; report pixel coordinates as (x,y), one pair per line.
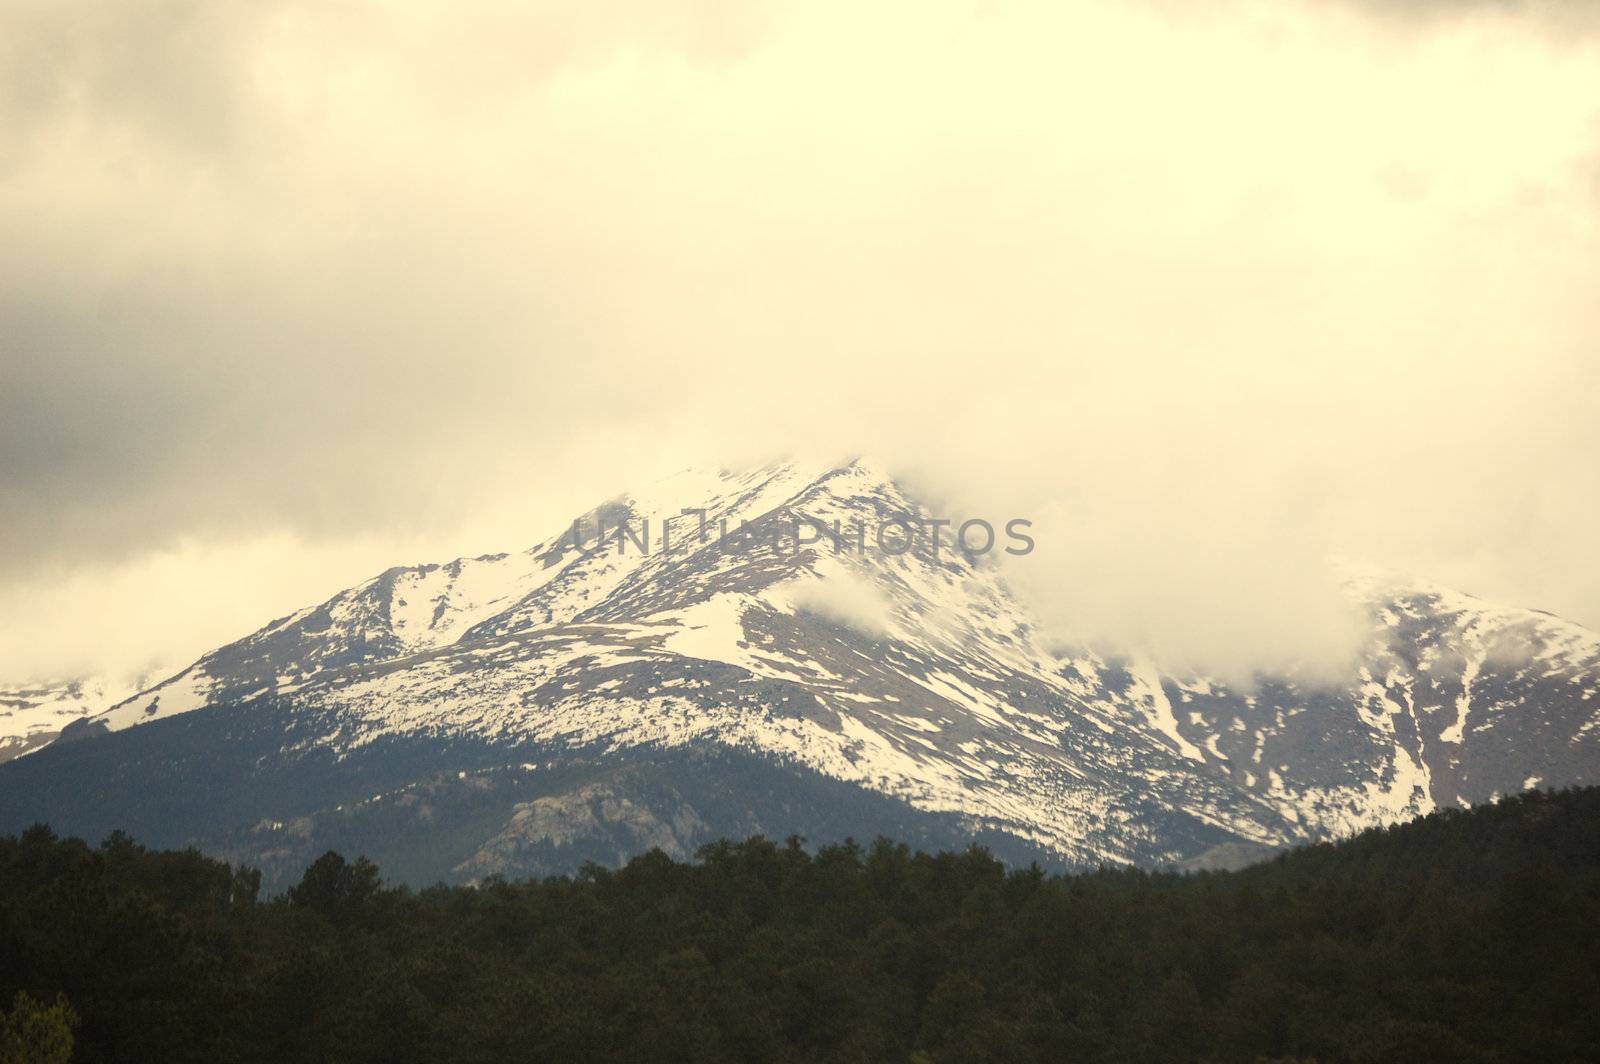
(1212,294)
(1556,16)
(847,599)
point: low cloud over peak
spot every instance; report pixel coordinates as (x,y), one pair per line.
(1211,295)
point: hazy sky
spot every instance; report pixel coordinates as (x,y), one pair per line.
(293,291)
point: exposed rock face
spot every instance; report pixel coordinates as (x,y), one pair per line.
(590,811)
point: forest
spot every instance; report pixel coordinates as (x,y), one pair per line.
(1463,936)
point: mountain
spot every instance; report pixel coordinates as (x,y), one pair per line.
(32,714)
(522,713)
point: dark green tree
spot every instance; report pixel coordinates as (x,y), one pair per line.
(35,1033)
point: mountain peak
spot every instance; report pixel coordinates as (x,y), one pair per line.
(691,615)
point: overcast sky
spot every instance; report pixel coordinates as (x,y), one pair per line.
(294,291)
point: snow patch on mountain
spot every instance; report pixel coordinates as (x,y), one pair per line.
(33,714)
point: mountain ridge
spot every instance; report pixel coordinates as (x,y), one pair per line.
(916,676)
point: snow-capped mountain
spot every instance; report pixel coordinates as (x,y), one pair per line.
(525,711)
(33,714)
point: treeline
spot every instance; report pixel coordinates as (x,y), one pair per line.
(1461,937)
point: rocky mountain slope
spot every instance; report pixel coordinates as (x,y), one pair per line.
(573,701)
